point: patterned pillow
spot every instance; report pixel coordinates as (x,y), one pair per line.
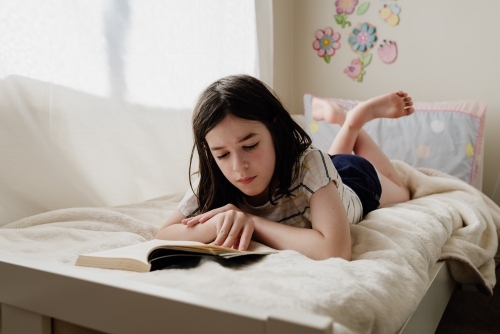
(447,136)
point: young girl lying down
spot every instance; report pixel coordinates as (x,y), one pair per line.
(260,178)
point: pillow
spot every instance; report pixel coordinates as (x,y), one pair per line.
(447,136)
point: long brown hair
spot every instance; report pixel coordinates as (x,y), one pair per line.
(248,98)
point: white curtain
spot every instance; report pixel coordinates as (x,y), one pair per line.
(95,96)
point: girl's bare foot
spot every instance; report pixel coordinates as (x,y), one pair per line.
(328,111)
(392,105)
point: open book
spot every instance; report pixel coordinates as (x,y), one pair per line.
(158,254)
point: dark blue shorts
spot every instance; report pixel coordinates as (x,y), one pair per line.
(359,175)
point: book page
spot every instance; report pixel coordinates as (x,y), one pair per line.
(137,255)
(141,250)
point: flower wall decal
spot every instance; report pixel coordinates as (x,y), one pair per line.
(388,51)
(344,8)
(327,41)
(363,37)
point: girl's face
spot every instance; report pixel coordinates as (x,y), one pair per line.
(244,152)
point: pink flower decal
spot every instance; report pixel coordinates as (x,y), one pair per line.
(388,52)
(326,43)
(345,6)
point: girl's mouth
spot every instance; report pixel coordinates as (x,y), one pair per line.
(246,180)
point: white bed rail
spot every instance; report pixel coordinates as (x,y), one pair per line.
(431,308)
(31,293)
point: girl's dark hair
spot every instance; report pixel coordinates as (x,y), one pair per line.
(248,98)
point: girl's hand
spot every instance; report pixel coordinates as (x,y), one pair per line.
(207,215)
(233,228)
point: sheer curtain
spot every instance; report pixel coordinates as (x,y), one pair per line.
(95,96)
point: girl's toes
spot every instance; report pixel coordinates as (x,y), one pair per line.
(409,110)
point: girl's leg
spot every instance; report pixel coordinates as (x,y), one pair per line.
(352,138)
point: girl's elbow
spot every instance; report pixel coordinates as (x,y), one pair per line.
(337,253)
(346,256)
(158,234)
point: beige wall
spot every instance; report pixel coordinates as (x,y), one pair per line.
(448,50)
(283,51)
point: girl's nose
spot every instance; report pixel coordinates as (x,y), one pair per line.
(240,163)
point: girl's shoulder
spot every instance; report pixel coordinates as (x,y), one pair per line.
(313,154)
(316,161)
(316,170)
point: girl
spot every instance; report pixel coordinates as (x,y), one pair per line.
(260,178)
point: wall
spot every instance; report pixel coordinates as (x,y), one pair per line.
(283,49)
(448,50)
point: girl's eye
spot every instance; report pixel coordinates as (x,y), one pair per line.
(251,147)
(225,155)
(246,148)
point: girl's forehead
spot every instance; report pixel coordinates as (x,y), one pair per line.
(236,122)
(232,128)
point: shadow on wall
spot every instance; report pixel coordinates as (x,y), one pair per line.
(117,23)
(63,148)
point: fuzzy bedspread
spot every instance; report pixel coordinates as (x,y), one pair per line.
(393,250)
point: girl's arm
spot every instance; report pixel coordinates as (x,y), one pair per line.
(329,236)
(228,227)
(172,229)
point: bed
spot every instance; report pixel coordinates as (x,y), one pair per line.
(407,258)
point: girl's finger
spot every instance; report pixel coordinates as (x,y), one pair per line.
(223,231)
(236,244)
(199,218)
(191,222)
(232,236)
(208,215)
(189,219)
(234,232)
(246,236)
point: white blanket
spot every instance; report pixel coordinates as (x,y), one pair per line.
(393,250)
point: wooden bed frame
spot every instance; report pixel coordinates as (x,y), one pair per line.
(35,296)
